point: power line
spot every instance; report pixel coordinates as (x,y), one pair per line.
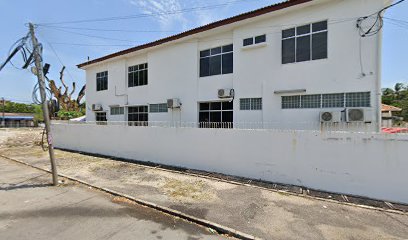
(194,9)
(109,30)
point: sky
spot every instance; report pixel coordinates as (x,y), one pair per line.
(70,46)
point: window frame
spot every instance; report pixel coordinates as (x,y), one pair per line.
(309,34)
(208,54)
(253,40)
(359,100)
(138,114)
(158,108)
(252,105)
(102,82)
(117,110)
(221,110)
(136,70)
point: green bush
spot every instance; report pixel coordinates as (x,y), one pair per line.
(66,115)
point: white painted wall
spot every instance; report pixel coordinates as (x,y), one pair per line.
(371,165)
(174,67)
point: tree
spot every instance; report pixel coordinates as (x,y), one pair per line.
(397,97)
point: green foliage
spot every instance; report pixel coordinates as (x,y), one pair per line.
(69,114)
(397,97)
(12,107)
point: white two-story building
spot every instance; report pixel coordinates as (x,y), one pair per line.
(295,62)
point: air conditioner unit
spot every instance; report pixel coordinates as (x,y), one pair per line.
(358,115)
(330,117)
(225,93)
(173,103)
(97,107)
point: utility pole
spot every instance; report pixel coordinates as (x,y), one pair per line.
(41,83)
(3,121)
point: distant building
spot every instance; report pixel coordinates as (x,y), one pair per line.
(16,120)
(387,115)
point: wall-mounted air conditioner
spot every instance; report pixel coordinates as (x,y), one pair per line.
(358,114)
(330,117)
(225,93)
(173,103)
(97,107)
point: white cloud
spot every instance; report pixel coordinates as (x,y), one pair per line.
(183,20)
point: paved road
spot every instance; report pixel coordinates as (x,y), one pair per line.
(32,209)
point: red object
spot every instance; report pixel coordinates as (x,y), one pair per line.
(394,130)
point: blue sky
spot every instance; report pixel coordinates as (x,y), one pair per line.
(73,48)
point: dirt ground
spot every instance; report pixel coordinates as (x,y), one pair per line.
(262,213)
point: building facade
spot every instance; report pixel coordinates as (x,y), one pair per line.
(286,64)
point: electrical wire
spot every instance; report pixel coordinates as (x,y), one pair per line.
(193,9)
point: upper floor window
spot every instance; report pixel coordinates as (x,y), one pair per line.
(332,100)
(216,61)
(102,81)
(137,75)
(304,43)
(254,40)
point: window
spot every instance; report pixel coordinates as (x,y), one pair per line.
(137,75)
(333,100)
(290,102)
(304,43)
(216,115)
(250,104)
(216,61)
(138,116)
(358,99)
(254,40)
(100,118)
(336,100)
(117,110)
(158,108)
(102,81)
(311,101)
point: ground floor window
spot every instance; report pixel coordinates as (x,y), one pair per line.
(216,115)
(138,116)
(100,118)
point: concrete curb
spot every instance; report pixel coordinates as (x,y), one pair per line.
(205,223)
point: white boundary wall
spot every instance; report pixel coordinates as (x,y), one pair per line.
(365,164)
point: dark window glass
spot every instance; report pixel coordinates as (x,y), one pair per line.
(260,39)
(319,45)
(227,105)
(215,106)
(204,106)
(205,53)
(215,115)
(227,117)
(204,117)
(320,26)
(204,67)
(248,41)
(303,30)
(303,48)
(100,117)
(227,48)
(288,33)
(288,50)
(215,65)
(102,81)
(138,116)
(137,75)
(216,50)
(227,63)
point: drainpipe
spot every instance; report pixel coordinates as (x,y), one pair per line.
(378,80)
